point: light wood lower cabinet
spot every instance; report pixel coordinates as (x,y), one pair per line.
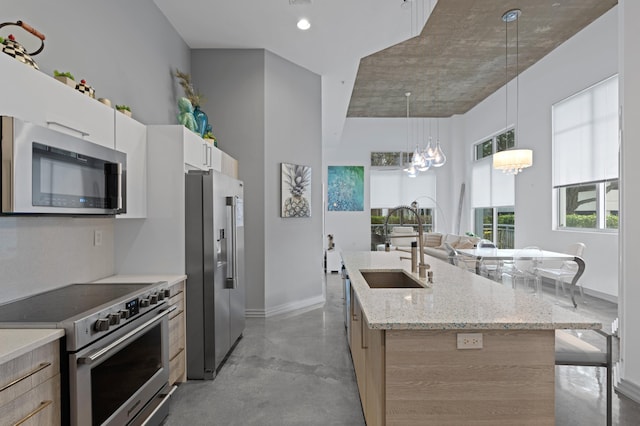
(177,341)
(358,350)
(30,388)
(419,377)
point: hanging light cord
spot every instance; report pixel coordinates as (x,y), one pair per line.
(506,75)
(517,129)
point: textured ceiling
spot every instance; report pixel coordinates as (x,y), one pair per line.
(459,58)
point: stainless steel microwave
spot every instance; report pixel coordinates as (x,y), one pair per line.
(44,171)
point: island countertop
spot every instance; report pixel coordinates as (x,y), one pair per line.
(456,300)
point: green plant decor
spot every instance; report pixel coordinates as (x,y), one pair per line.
(67,74)
(123,108)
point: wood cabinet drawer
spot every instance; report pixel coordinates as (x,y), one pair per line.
(178,302)
(38,407)
(176,334)
(27,371)
(177,367)
(177,292)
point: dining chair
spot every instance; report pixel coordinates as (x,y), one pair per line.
(571,350)
(459,260)
(490,268)
(523,272)
(565,272)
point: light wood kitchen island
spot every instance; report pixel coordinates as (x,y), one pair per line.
(404,345)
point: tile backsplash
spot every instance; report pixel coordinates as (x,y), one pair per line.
(40,253)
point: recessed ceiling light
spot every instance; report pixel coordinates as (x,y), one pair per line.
(304,24)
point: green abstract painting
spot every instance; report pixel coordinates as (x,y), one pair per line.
(345,188)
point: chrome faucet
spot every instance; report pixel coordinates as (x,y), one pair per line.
(422,267)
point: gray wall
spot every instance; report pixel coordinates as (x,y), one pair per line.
(232,81)
(264,111)
(126,50)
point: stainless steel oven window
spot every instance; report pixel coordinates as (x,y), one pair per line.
(118,378)
(115,378)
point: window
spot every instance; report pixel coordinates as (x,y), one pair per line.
(497,143)
(493,192)
(496,224)
(391,187)
(585,158)
(398,218)
(592,206)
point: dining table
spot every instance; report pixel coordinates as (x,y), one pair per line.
(482,254)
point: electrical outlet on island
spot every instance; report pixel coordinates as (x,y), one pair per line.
(469,340)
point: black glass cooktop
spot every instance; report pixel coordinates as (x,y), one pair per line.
(63,303)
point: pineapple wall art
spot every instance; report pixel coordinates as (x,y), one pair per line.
(296,190)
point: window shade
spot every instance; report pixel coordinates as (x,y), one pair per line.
(585,135)
(491,187)
(394,188)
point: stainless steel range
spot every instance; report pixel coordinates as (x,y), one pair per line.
(117,348)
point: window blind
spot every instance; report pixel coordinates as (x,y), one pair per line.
(491,187)
(393,188)
(585,135)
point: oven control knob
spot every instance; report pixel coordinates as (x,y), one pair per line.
(161,295)
(153,299)
(144,303)
(167,293)
(124,314)
(114,319)
(102,324)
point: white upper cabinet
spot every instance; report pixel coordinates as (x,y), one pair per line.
(199,154)
(31,95)
(131,138)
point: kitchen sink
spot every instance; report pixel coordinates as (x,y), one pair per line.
(390,279)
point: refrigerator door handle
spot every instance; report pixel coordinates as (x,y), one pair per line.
(232,272)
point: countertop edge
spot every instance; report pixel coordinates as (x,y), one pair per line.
(17,342)
(142,278)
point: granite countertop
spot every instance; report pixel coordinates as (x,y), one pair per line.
(457,300)
(19,342)
(142,278)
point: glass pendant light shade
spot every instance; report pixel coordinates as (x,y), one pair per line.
(411,171)
(438,156)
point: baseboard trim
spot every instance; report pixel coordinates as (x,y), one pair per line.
(628,389)
(312,302)
(254,313)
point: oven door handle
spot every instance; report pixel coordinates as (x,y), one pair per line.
(90,359)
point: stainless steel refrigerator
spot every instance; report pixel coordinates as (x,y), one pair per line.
(214,227)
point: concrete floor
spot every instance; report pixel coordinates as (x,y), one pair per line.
(295,369)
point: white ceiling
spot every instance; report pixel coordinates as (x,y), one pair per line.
(341,33)
(341,30)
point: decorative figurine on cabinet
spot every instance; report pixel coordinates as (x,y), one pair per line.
(186,117)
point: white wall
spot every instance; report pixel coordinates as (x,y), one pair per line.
(629,371)
(126,50)
(265,111)
(587,58)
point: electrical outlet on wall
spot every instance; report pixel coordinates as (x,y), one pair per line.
(469,340)
(97,237)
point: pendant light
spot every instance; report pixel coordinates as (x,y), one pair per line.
(512,161)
